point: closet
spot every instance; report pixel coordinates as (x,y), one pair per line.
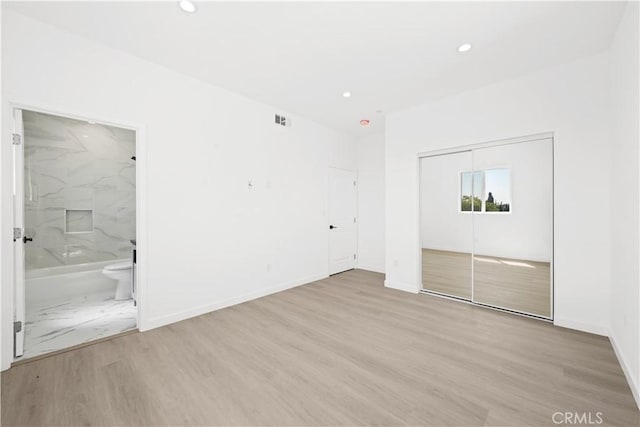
(486,224)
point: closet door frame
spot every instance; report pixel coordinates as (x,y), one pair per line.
(477,146)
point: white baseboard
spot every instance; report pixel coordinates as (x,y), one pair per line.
(579,326)
(374,268)
(401,286)
(633,385)
(217,305)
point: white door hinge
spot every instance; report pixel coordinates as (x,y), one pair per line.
(17,234)
(16,139)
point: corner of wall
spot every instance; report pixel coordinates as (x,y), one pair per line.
(406,287)
(631,380)
(624,120)
(581,326)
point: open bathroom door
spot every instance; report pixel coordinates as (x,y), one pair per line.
(19,239)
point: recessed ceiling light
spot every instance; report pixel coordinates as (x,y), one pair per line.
(346,94)
(187,6)
(364,122)
(464,47)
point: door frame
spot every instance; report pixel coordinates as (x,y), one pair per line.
(355,177)
(141,151)
(17,212)
(472,147)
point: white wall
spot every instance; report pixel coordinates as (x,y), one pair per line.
(211,241)
(524,233)
(371,223)
(571,100)
(624,196)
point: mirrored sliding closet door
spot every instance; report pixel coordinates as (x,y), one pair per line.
(486,218)
(513,229)
(446,224)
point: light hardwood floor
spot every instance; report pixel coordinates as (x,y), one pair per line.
(519,285)
(340,351)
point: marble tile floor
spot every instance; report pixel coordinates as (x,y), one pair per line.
(57,324)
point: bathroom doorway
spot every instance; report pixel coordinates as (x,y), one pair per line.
(75,240)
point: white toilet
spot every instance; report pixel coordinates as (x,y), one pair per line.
(122,273)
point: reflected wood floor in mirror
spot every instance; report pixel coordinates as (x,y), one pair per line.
(518,285)
(447,272)
(340,351)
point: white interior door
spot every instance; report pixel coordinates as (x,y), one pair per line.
(18,224)
(342,220)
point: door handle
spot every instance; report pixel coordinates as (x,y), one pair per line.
(26,239)
(331,227)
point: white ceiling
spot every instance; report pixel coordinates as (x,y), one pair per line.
(301,56)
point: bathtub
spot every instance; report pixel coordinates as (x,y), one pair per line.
(65,281)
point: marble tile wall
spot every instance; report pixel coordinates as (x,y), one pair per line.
(75,165)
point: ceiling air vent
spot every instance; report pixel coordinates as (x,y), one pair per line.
(282,121)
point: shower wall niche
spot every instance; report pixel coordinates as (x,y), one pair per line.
(80,191)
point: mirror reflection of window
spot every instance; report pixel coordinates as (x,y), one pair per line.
(497,184)
(485,191)
(478,181)
(470,190)
(466,183)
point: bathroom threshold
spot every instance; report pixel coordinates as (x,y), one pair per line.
(23,361)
